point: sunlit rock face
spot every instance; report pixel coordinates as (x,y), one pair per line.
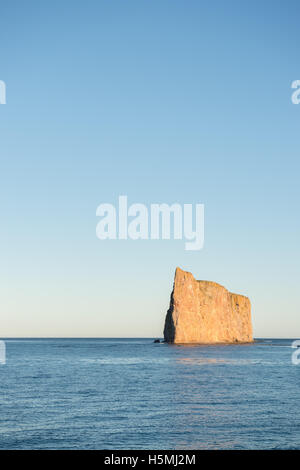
(206,312)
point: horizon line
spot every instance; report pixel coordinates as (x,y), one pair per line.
(122,337)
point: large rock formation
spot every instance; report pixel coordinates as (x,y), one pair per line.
(206,312)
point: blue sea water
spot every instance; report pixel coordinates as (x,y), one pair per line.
(134,394)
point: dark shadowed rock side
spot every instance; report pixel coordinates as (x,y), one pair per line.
(206,312)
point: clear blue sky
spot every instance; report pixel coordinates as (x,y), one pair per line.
(164,101)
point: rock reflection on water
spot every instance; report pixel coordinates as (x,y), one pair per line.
(203,361)
(200,360)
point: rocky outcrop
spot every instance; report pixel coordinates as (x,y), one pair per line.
(206,312)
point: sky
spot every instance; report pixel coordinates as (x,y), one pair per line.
(166,102)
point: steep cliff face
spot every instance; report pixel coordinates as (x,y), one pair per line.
(206,312)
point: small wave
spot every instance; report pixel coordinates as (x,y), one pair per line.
(125,361)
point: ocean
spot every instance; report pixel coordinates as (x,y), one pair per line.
(134,394)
